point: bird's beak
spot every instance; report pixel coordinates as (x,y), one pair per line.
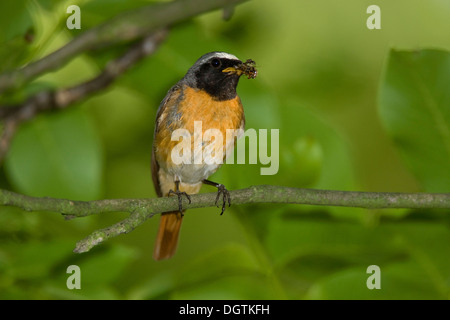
(234,70)
(248,68)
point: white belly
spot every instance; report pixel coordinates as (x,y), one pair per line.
(205,159)
(193,173)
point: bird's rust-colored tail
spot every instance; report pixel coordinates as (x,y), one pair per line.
(167,238)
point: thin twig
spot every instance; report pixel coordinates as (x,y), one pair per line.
(142,209)
(13,116)
(126,27)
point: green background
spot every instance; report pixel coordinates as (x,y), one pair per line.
(357,109)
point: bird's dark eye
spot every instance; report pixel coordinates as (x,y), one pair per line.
(216,63)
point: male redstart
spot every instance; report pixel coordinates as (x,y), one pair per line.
(206,95)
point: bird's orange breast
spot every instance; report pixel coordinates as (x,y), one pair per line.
(195,105)
(198,105)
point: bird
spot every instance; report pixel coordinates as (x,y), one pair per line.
(206,95)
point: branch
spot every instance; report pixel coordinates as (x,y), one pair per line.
(125,27)
(142,209)
(15,115)
(129,26)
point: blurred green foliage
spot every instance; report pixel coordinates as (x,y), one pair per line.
(353,114)
(416,92)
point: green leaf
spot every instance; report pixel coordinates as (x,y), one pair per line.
(397,281)
(98,270)
(292,235)
(414,105)
(15,19)
(231,259)
(223,270)
(56,155)
(228,272)
(325,259)
(36,259)
(17,31)
(103,267)
(98,11)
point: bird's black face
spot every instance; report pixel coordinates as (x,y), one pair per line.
(210,76)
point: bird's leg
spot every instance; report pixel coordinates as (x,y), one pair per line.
(179,194)
(220,190)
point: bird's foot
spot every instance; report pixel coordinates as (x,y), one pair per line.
(180,195)
(221,190)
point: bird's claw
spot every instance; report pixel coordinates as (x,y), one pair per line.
(226,197)
(180,195)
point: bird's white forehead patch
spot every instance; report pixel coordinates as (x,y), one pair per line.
(216,55)
(224,55)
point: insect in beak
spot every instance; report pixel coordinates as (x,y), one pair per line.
(248,68)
